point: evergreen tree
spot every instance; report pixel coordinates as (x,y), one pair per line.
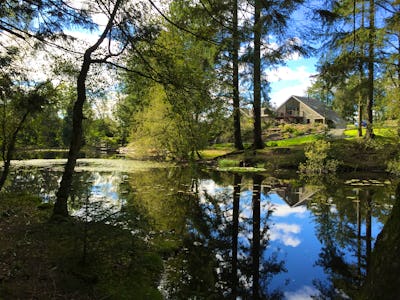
(271,19)
(235,80)
(390,56)
(358,46)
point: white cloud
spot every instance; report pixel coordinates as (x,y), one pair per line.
(285,73)
(287,81)
(288,228)
(286,234)
(100,19)
(284,210)
(304,293)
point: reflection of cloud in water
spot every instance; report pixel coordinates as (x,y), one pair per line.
(284,210)
(285,233)
(104,196)
(304,293)
(105,187)
(210,187)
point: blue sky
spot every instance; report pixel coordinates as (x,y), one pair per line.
(292,79)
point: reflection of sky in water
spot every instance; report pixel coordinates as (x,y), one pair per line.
(105,186)
(104,195)
(292,236)
(292,233)
(292,230)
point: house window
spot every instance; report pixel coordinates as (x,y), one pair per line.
(308,121)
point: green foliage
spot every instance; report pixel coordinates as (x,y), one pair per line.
(179,114)
(224,163)
(293,130)
(232,165)
(102,133)
(318,161)
(393,166)
(156,132)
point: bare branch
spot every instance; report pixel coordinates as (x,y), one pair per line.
(11,31)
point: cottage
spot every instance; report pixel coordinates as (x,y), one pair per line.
(306,110)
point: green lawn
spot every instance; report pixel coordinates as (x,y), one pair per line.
(384,132)
(294,141)
(212,153)
(221,149)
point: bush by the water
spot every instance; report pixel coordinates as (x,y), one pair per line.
(318,161)
(393,166)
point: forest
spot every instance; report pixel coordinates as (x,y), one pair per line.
(174,81)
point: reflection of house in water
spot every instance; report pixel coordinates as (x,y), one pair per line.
(293,195)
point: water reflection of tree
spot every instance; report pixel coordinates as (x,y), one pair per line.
(35,181)
(263,268)
(344,217)
(241,244)
(382,281)
(212,239)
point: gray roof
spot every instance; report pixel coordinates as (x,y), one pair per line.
(319,107)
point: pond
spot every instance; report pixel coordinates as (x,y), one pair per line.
(227,235)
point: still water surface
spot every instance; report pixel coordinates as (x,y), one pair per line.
(234,236)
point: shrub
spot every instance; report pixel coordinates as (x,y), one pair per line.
(318,161)
(288,128)
(393,166)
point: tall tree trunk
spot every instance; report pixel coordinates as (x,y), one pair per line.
(397,83)
(360,119)
(368,229)
(235,233)
(61,207)
(257,133)
(361,70)
(236,95)
(10,151)
(371,59)
(257,181)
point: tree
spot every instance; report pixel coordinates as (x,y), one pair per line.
(18,104)
(60,206)
(371,68)
(380,281)
(41,21)
(271,21)
(102,133)
(181,106)
(390,55)
(235,79)
(257,132)
(127,25)
(359,46)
